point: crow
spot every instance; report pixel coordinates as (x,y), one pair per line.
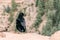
(20,23)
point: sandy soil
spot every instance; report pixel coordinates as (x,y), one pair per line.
(22,36)
(55,36)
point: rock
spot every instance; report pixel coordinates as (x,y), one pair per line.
(55,36)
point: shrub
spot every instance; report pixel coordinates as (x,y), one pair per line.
(40,13)
(53,17)
(8,9)
(14,5)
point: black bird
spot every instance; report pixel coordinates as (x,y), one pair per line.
(20,23)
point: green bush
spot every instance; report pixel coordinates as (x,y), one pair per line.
(37,2)
(14,5)
(53,16)
(40,13)
(12,10)
(8,9)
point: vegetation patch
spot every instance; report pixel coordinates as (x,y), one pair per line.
(40,13)
(53,17)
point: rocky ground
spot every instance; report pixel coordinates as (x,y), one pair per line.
(28,36)
(22,36)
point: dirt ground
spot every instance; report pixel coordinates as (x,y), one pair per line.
(22,36)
